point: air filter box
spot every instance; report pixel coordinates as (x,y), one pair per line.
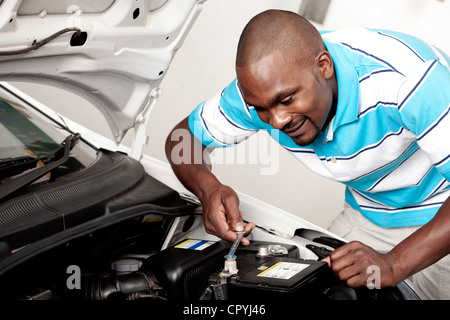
(183,269)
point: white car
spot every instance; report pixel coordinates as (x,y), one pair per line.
(83,217)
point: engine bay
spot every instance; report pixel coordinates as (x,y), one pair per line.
(154,257)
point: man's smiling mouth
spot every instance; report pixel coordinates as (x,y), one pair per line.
(295,130)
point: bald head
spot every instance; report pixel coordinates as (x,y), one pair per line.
(295,37)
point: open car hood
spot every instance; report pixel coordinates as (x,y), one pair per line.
(112,53)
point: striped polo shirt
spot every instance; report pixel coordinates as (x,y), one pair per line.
(389,141)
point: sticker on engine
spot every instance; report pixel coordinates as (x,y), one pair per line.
(283,270)
(194,244)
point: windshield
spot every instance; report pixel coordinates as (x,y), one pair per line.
(28,135)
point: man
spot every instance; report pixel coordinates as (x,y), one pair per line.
(364,107)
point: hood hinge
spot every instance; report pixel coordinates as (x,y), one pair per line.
(140,137)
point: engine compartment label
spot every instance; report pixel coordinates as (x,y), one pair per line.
(194,244)
(283,270)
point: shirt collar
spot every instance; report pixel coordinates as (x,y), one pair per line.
(348,89)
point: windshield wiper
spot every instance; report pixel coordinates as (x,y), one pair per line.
(12,166)
(59,156)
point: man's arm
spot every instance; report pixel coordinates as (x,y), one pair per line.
(422,248)
(190,162)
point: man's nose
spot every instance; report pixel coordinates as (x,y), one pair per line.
(279,119)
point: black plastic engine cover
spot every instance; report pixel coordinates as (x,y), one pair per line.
(183,269)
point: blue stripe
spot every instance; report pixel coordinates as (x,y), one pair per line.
(417,84)
(197,129)
(442,161)
(435,125)
(437,188)
(299,150)
(401,41)
(373,146)
(372,56)
(409,195)
(444,55)
(242,97)
(404,208)
(417,46)
(365,181)
(373,73)
(198,244)
(367,198)
(206,127)
(393,217)
(384,103)
(231,122)
(386,175)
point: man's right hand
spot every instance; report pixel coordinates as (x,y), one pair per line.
(221,215)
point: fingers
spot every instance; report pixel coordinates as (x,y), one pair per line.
(349,263)
(358,265)
(345,261)
(328,261)
(230,235)
(234,215)
(224,230)
(216,223)
(248,228)
(236,221)
(236,224)
(353,276)
(222,216)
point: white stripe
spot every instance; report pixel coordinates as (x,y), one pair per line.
(218,126)
(439,189)
(399,56)
(232,122)
(436,142)
(372,205)
(311,161)
(403,176)
(387,85)
(440,57)
(414,82)
(206,127)
(403,43)
(389,150)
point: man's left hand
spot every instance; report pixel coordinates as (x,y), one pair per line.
(355,261)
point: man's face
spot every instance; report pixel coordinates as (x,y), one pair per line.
(290,98)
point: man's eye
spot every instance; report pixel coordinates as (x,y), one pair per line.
(286,101)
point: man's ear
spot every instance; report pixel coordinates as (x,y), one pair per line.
(325,63)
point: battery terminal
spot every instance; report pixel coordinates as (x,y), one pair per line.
(230,267)
(271,250)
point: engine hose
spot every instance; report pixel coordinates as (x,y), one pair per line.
(123,286)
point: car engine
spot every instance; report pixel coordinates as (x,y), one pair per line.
(125,262)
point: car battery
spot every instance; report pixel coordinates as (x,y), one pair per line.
(265,269)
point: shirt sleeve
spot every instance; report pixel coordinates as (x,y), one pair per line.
(225,119)
(424,104)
